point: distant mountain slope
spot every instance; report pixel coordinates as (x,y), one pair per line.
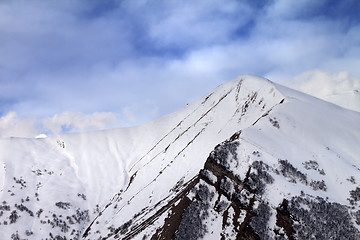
(349,100)
(251,160)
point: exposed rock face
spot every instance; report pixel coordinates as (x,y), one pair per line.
(217,198)
(245,190)
(245,213)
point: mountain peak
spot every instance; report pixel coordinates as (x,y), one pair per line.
(251,160)
(256,80)
(193,177)
(247,83)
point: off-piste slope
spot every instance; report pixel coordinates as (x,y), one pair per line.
(251,160)
(289,168)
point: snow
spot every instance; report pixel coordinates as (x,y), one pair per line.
(41,136)
(309,129)
(122,172)
(2,177)
(188,144)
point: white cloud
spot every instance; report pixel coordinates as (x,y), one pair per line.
(340,88)
(129,114)
(11,125)
(67,56)
(79,121)
(189,24)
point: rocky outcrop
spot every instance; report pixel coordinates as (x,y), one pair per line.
(217,198)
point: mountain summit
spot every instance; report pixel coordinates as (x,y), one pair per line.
(251,160)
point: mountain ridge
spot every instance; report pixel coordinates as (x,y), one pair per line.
(249,146)
(229,91)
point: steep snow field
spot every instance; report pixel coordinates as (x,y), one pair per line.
(92,183)
(182,152)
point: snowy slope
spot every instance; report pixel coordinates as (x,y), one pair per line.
(84,169)
(349,99)
(318,139)
(249,139)
(181,153)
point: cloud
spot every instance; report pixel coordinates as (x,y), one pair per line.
(156,56)
(12,125)
(187,25)
(78,121)
(340,88)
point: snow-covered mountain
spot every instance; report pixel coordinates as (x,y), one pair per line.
(251,160)
(349,99)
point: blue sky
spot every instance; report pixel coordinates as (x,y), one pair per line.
(76,65)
